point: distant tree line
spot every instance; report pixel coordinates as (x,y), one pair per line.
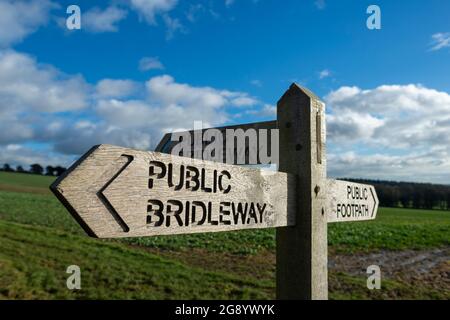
(410,194)
(35,168)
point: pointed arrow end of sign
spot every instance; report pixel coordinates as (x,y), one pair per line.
(376,202)
(58,191)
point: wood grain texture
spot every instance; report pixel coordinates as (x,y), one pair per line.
(108,192)
(302,249)
(348,201)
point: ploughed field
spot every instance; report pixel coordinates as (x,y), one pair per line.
(39,240)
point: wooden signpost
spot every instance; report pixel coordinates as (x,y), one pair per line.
(117,192)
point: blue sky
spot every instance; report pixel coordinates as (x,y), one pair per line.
(138,68)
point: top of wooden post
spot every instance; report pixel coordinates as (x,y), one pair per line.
(296,89)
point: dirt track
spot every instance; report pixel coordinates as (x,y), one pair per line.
(429,267)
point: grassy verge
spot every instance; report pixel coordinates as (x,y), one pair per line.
(33,261)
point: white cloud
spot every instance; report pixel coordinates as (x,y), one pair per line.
(320,4)
(40,104)
(169,105)
(127,113)
(165,90)
(228,3)
(194,11)
(432,166)
(173,25)
(97,20)
(351,126)
(19,18)
(440,41)
(76,139)
(267,110)
(390,99)
(24,156)
(140,123)
(13,131)
(150,63)
(324,74)
(26,84)
(148,9)
(244,101)
(111,88)
(402,130)
(256,83)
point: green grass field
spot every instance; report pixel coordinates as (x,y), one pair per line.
(39,239)
(25,182)
(33,261)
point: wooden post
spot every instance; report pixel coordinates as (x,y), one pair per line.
(301,269)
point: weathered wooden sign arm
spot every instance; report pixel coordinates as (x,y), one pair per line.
(119,192)
(348,201)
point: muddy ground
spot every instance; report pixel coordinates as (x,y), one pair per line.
(430,266)
(427,268)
